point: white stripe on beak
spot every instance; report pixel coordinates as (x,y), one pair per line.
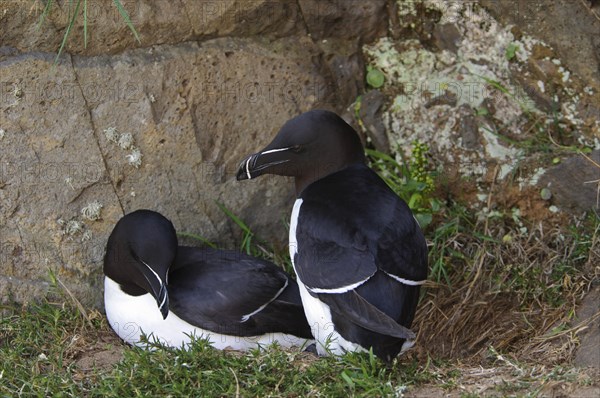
(155,274)
(248,168)
(161,284)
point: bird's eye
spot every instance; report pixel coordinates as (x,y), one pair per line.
(296,148)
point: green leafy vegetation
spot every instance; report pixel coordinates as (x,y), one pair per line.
(412,180)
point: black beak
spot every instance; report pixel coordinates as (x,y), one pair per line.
(163,301)
(260,163)
(159,288)
(244,171)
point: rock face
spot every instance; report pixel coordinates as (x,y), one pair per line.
(588,353)
(345,19)
(157,22)
(119,125)
(552,21)
(575,182)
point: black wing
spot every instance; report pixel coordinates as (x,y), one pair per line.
(352,228)
(229,292)
(333,253)
(401,247)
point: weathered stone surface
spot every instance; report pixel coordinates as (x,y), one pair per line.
(344,68)
(162,22)
(588,353)
(553,22)
(193,112)
(156,21)
(345,18)
(574,182)
(51,168)
(371,110)
(468,128)
(446,37)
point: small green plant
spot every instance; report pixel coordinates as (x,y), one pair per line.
(74,8)
(49,347)
(511,51)
(251,244)
(198,238)
(525,104)
(482,111)
(413,181)
(375,77)
(45,343)
(248,235)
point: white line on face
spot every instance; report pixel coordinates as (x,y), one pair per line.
(274,150)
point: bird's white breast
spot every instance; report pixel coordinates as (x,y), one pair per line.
(317,313)
(130,316)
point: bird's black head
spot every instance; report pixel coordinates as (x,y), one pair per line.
(139,252)
(308,147)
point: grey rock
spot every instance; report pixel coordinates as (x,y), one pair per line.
(52,166)
(372,106)
(448,98)
(543,100)
(574,182)
(588,353)
(194,111)
(345,19)
(552,21)
(344,66)
(468,128)
(156,21)
(446,37)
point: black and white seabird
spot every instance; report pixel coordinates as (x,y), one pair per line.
(358,252)
(172,292)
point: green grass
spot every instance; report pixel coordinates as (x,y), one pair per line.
(40,349)
(44,343)
(42,346)
(74,7)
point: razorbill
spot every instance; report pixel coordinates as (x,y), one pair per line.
(172,292)
(358,252)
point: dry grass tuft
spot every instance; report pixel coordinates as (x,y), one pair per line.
(517,296)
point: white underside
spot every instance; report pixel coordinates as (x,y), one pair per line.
(318,313)
(130,317)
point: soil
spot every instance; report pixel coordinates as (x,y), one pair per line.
(92,359)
